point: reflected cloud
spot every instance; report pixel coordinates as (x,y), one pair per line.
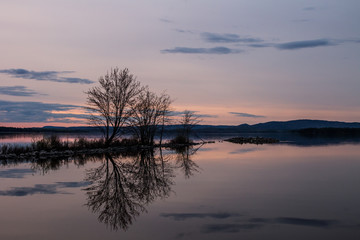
(15,173)
(52,76)
(321,223)
(229,228)
(232,222)
(37,189)
(244,150)
(186,216)
(41,189)
(73,184)
(306,222)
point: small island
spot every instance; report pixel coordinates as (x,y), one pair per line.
(252,140)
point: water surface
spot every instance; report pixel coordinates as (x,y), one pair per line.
(220,190)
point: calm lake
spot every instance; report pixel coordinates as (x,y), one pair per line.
(215,191)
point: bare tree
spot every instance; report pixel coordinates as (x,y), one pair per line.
(188,121)
(110,102)
(148,113)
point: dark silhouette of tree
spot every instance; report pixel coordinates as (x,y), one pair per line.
(110,102)
(149,113)
(187,123)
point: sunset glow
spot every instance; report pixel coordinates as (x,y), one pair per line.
(231,62)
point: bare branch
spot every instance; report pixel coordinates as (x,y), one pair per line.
(109,102)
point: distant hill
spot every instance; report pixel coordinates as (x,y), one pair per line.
(273,126)
(278,126)
(299,124)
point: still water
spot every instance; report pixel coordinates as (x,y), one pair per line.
(216,191)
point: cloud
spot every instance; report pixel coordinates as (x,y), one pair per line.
(227,38)
(304,44)
(52,76)
(239,114)
(309,8)
(38,112)
(20,91)
(165,20)
(301,44)
(260,45)
(41,189)
(15,173)
(215,50)
(185,216)
(183,31)
(206,116)
(181,113)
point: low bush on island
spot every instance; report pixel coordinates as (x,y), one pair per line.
(252,140)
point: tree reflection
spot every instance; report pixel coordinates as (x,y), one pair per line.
(111,194)
(184,162)
(121,187)
(152,176)
(124,183)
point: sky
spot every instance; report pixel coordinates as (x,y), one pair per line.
(229,61)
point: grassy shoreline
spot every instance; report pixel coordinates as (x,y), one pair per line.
(52,146)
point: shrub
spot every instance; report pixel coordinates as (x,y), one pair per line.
(179,139)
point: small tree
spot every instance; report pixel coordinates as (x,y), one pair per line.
(110,102)
(149,113)
(188,121)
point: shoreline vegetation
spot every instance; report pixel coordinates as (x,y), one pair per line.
(252,140)
(52,146)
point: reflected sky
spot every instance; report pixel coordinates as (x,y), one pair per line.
(221,190)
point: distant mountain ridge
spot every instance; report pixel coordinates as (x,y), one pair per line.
(300,124)
(278,126)
(259,127)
